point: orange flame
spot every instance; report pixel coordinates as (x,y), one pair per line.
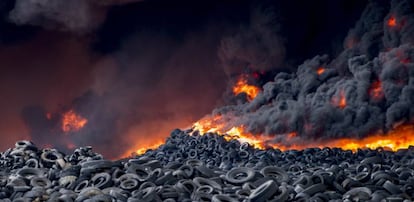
(72,122)
(143,149)
(392,21)
(395,139)
(242,87)
(211,126)
(399,138)
(320,70)
(339,101)
(375,90)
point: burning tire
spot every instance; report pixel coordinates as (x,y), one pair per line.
(263,176)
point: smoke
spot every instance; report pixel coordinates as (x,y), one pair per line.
(141,90)
(256,46)
(137,92)
(368,88)
(141,70)
(79,16)
(33,74)
(151,91)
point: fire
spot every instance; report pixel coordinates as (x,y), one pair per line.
(392,21)
(375,90)
(398,138)
(72,121)
(242,87)
(340,101)
(143,149)
(238,133)
(320,70)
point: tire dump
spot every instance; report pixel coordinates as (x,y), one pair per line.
(207,168)
(333,129)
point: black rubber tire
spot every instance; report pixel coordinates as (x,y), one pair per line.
(101,180)
(264,191)
(240,175)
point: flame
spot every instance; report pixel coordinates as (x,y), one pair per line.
(398,138)
(72,122)
(242,87)
(211,126)
(339,101)
(375,90)
(392,21)
(143,149)
(395,139)
(320,70)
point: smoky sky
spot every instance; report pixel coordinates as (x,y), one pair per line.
(138,69)
(365,89)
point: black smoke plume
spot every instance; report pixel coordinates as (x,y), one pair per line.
(368,88)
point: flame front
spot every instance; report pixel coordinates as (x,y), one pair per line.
(236,132)
(243,87)
(394,140)
(72,122)
(398,138)
(143,149)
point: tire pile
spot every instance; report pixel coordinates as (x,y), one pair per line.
(207,168)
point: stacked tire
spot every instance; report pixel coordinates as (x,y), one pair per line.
(194,167)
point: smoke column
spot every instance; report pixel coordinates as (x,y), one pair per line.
(367,88)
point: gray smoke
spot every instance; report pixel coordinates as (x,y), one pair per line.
(139,91)
(78,16)
(256,46)
(310,104)
(150,85)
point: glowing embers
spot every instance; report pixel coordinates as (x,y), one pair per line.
(392,21)
(339,100)
(375,91)
(72,122)
(242,86)
(320,70)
